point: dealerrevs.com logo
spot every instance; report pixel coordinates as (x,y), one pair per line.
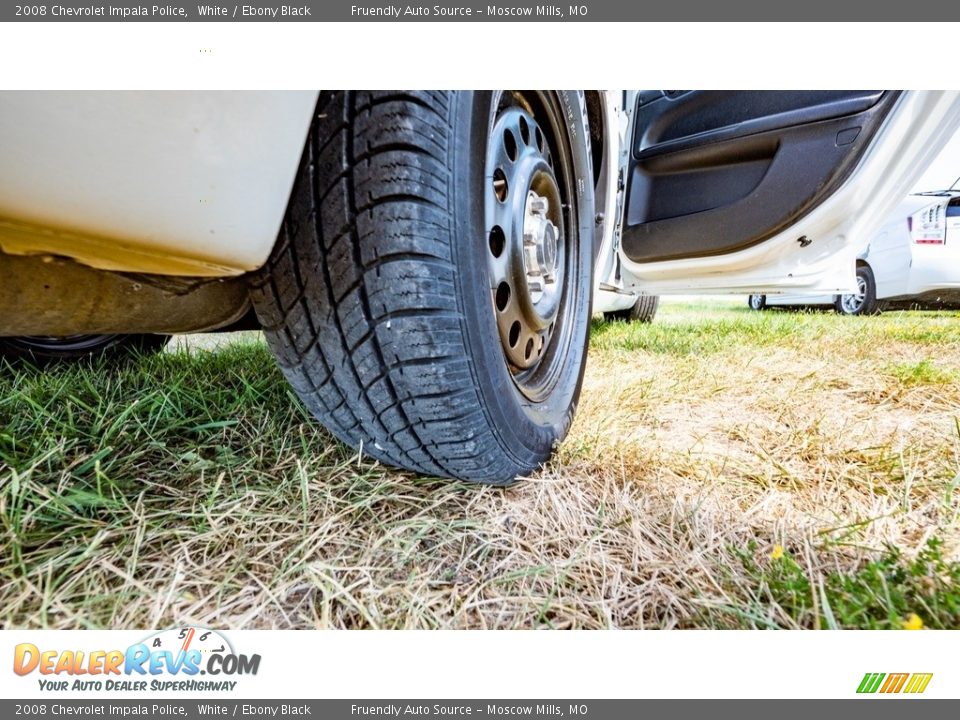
(171,660)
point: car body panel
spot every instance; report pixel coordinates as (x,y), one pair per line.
(715,171)
(933,272)
(905,269)
(816,255)
(888,252)
(902,269)
(180,183)
(799,300)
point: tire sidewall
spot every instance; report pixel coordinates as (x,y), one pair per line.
(526,431)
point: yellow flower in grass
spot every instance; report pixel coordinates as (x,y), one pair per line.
(914,622)
(777,552)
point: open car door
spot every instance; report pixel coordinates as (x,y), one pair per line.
(765,190)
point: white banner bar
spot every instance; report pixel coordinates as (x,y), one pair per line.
(510,664)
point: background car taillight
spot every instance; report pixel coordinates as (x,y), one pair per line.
(929,226)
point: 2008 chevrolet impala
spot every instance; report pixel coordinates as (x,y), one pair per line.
(424,264)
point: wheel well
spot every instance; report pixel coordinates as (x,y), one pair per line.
(860,263)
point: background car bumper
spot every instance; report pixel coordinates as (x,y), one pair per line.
(935,268)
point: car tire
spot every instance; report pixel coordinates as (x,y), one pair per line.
(642,311)
(757,302)
(393,297)
(43,351)
(865,301)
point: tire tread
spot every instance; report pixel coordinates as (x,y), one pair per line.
(359,300)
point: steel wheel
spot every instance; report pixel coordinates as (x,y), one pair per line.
(531,236)
(69,343)
(46,349)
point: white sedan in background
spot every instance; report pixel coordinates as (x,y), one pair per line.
(913,260)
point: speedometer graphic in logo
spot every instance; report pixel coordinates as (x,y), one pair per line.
(182,640)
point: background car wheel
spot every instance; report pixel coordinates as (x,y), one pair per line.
(429,295)
(643,310)
(42,350)
(864,301)
(757,302)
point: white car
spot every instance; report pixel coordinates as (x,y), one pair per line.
(424,265)
(913,260)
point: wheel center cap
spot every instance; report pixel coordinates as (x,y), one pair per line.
(540,246)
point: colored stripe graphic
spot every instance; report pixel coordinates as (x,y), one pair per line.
(893,683)
(918,682)
(870,682)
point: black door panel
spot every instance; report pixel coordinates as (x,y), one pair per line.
(713,172)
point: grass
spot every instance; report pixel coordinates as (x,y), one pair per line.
(726,469)
(925,372)
(882,594)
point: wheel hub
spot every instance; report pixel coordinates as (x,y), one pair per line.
(541,240)
(525,226)
(851,303)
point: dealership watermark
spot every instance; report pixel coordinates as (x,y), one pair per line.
(179,660)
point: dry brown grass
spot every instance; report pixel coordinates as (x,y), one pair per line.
(701,443)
